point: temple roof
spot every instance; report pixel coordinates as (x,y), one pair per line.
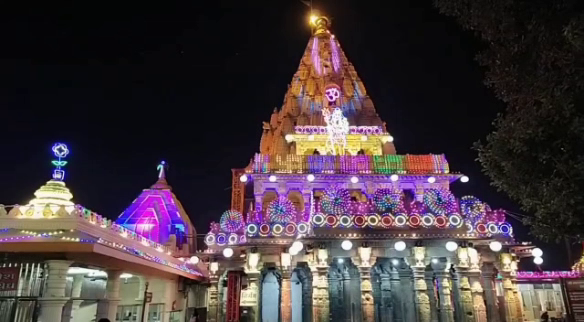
(54,192)
(323,64)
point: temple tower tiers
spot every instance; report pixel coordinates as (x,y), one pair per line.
(328,223)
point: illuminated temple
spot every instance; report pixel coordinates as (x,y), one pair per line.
(329,223)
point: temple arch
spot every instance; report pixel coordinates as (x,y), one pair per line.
(301,288)
(270,290)
(344,290)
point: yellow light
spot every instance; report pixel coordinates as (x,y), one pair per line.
(313,19)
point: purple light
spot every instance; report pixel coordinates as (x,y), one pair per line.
(336,58)
(315,57)
(548,274)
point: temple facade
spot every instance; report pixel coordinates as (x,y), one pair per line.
(328,223)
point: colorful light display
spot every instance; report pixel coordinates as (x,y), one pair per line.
(61,151)
(472,208)
(335,54)
(231,221)
(315,57)
(281,210)
(335,200)
(388,200)
(548,274)
(439,201)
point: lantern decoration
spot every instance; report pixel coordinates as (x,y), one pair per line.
(231,221)
(388,200)
(281,210)
(472,208)
(439,201)
(335,200)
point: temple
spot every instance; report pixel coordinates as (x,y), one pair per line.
(328,223)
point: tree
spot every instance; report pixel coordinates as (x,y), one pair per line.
(534,62)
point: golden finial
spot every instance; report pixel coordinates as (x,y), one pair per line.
(320,23)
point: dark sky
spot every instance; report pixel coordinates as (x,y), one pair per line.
(129,84)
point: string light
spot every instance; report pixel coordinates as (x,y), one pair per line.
(472,208)
(281,210)
(61,151)
(439,201)
(231,221)
(335,200)
(388,200)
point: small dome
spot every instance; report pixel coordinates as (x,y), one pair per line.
(53,193)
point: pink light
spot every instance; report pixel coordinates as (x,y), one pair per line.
(335,50)
(315,57)
(548,274)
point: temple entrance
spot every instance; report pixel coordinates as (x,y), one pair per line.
(344,291)
(296,298)
(301,294)
(271,296)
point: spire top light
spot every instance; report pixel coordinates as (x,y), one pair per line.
(61,151)
(161,170)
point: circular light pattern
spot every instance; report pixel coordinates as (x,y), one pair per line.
(281,210)
(495,246)
(243,178)
(272,178)
(373,220)
(472,208)
(537,252)
(210,239)
(482,228)
(302,228)
(277,229)
(231,221)
(441,221)
(464,179)
(228,252)
(332,221)
(345,220)
(290,229)
(415,220)
(400,220)
(431,179)
(335,200)
(428,220)
(318,219)
(387,220)
(252,229)
(310,177)
(221,239)
(451,246)
(60,150)
(493,229)
(387,199)
(394,177)
(538,260)
(194,260)
(399,246)
(506,229)
(354,179)
(233,238)
(264,229)
(346,245)
(455,220)
(439,201)
(359,220)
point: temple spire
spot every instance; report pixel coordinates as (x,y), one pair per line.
(161,182)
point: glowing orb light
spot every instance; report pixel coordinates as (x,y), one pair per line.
(451,246)
(228,252)
(399,246)
(538,260)
(243,178)
(346,245)
(495,246)
(537,252)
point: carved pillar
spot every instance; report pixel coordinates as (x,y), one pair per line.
(510,306)
(320,296)
(429,278)
(384,311)
(108,307)
(442,273)
(488,274)
(252,269)
(420,287)
(212,298)
(53,298)
(474,277)
(366,287)
(286,297)
(396,296)
(464,311)
(406,289)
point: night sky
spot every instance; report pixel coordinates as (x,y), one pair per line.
(129,84)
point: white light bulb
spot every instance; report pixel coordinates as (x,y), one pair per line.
(537,252)
(538,260)
(289,137)
(340,260)
(434,260)
(311,137)
(394,262)
(451,246)
(310,177)
(194,260)
(394,177)
(272,178)
(363,137)
(297,245)
(431,179)
(346,245)
(399,246)
(495,246)
(464,179)
(293,251)
(243,178)
(228,252)
(389,138)
(354,179)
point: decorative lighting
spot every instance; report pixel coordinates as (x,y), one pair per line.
(389,138)
(354,179)
(61,151)
(439,201)
(281,210)
(243,178)
(495,246)
(272,178)
(537,252)
(434,260)
(399,246)
(451,246)
(297,245)
(231,221)
(126,275)
(228,252)
(335,200)
(194,260)
(363,137)
(464,179)
(340,260)
(431,179)
(394,262)
(394,177)
(313,19)
(538,260)
(310,177)
(346,245)
(289,137)
(311,137)
(293,251)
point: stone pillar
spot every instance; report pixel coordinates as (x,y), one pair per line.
(420,288)
(396,295)
(53,298)
(213,298)
(108,307)
(440,266)
(320,295)
(75,293)
(252,270)
(474,277)
(366,287)
(407,287)
(488,274)
(510,307)
(518,303)
(464,310)
(286,296)
(429,278)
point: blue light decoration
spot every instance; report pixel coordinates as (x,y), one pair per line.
(61,151)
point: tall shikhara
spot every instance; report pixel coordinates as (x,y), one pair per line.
(323,65)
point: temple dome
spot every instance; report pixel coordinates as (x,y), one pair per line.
(53,193)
